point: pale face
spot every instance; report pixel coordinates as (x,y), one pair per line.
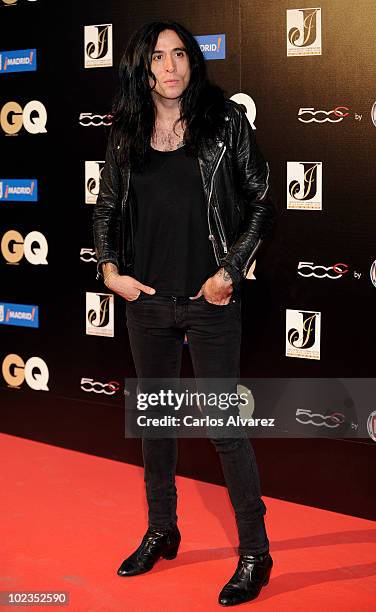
(170,66)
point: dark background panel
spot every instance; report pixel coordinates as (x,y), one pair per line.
(344,231)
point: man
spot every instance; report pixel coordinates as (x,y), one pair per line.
(182,209)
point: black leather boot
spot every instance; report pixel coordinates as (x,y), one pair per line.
(155,543)
(252,573)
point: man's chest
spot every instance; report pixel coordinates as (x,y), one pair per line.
(167,140)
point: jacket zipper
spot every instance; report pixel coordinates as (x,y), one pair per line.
(220,228)
(250,257)
(123,219)
(223,237)
(211,236)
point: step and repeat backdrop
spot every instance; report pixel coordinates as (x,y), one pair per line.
(305,76)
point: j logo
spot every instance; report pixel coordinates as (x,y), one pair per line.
(100,314)
(98,45)
(304,31)
(99,50)
(305,338)
(100,317)
(303,331)
(309,33)
(308,190)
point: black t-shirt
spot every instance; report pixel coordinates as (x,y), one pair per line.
(173,252)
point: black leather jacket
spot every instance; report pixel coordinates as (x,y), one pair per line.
(239,210)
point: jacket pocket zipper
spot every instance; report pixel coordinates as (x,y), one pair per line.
(221,231)
(124,242)
(211,236)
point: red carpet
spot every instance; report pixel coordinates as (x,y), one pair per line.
(69,519)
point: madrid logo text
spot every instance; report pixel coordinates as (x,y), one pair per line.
(18,190)
(33,247)
(213,46)
(33,371)
(24,315)
(32,117)
(23,60)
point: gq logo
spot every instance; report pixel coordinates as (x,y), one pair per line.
(100,314)
(34,372)
(304,31)
(93,171)
(304,185)
(303,334)
(33,117)
(249,106)
(34,247)
(98,46)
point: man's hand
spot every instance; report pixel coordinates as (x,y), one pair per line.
(217,289)
(127,287)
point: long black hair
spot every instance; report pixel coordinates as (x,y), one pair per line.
(133,111)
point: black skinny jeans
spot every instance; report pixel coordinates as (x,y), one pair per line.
(156,327)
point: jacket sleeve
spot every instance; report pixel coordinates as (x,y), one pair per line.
(251,172)
(107,213)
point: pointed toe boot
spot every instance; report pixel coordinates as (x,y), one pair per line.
(251,574)
(155,544)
